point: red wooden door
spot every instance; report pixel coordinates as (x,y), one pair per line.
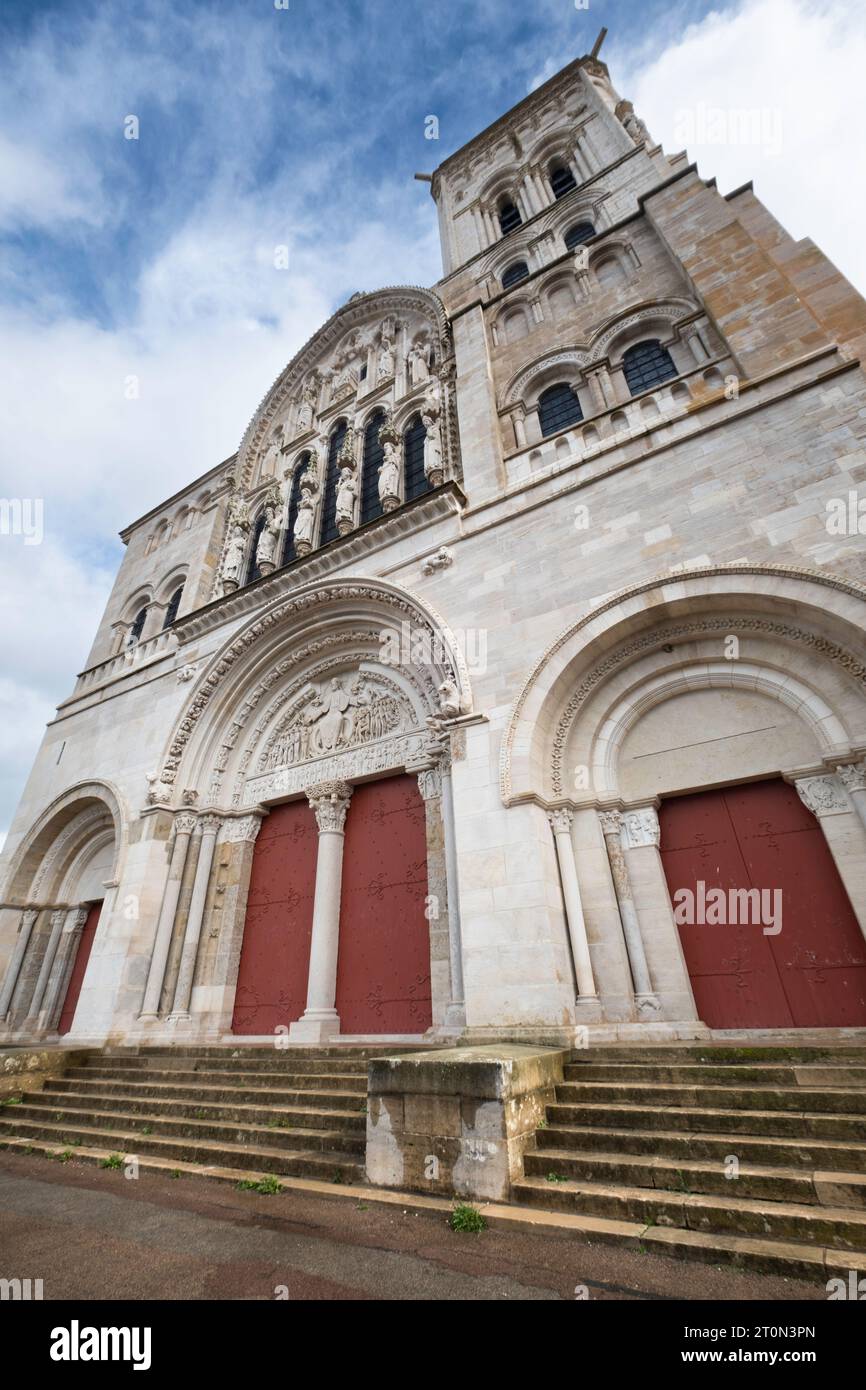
(383,968)
(275,954)
(812,973)
(82,956)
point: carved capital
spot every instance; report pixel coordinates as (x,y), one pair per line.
(560,820)
(184,824)
(641,827)
(852,776)
(241,828)
(823,796)
(611,821)
(430,783)
(76,918)
(330,801)
(210,824)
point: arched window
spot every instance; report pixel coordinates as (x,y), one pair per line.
(558,407)
(509,218)
(332,477)
(294,499)
(561,180)
(173,606)
(253,571)
(647,364)
(138,623)
(373,455)
(415,479)
(518,270)
(578,234)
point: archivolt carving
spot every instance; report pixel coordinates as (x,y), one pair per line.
(59,824)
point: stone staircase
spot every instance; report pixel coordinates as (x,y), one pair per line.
(645,1136)
(296,1113)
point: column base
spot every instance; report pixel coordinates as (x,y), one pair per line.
(316,1025)
(647,1004)
(455,1016)
(587,1008)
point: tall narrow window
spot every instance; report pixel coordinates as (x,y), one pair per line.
(509,218)
(294,499)
(173,606)
(519,270)
(647,364)
(138,623)
(253,571)
(332,477)
(576,235)
(561,180)
(373,455)
(558,407)
(415,478)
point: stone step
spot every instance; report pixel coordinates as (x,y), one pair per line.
(762,1123)
(679,1145)
(846,1100)
(287,1117)
(839,1227)
(775,1184)
(321,1157)
(297,1081)
(195,1128)
(271,1096)
(722,1054)
(758,1074)
(271,1062)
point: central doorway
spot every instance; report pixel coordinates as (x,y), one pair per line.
(812,973)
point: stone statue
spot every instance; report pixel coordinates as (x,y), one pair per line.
(433,468)
(327,716)
(449,699)
(346,492)
(389,470)
(266,550)
(386,359)
(303,529)
(272,453)
(233,560)
(307,408)
(417,363)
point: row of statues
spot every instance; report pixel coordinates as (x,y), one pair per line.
(276,498)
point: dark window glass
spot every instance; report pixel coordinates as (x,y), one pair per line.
(558,407)
(646,364)
(509,218)
(580,232)
(518,271)
(253,571)
(332,477)
(173,606)
(363,376)
(294,499)
(414,477)
(562,181)
(138,625)
(373,455)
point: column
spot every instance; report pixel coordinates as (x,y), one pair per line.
(13,970)
(611,827)
(560,822)
(58,917)
(64,960)
(696,346)
(826,796)
(853,778)
(183,827)
(183,988)
(518,419)
(433,782)
(320,1020)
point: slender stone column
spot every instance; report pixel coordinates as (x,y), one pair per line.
(560,822)
(853,778)
(183,828)
(435,782)
(320,1020)
(210,826)
(611,827)
(13,970)
(58,917)
(64,960)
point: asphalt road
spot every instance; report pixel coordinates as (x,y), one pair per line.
(93,1234)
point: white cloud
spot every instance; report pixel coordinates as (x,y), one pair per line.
(794,72)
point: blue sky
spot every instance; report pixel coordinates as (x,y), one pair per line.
(261,127)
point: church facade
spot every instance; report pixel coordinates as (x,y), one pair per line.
(510,680)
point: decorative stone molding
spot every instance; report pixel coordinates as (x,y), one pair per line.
(611,823)
(241,828)
(430,783)
(823,796)
(330,802)
(186,673)
(184,824)
(641,827)
(560,820)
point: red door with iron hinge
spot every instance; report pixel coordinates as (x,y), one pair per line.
(383,968)
(76,978)
(809,974)
(275,953)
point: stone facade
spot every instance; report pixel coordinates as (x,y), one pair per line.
(553,627)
